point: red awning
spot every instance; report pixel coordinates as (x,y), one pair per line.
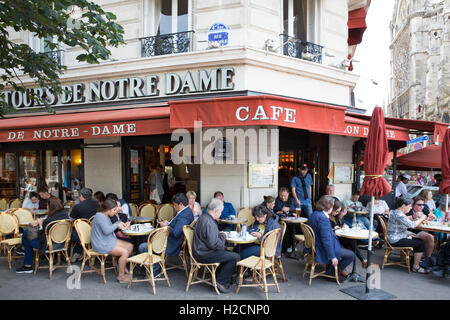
(360,128)
(428,158)
(95,124)
(435,127)
(257,111)
(357,25)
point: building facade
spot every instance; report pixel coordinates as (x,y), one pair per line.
(265,67)
(420,50)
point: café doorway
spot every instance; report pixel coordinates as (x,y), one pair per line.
(142,156)
(298,147)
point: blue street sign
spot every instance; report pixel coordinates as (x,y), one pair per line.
(418,139)
(218,32)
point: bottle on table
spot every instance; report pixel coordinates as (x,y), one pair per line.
(244,231)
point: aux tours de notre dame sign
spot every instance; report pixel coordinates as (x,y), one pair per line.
(167,84)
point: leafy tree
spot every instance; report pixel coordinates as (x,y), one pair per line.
(93,31)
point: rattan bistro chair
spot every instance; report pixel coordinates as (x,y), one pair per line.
(258,265)
(195,266)
(148,210)
(166,212)
(134,209)
(310,245)
(24,216)
(15,204)
(278,264)
(157,244)
(9,226)
(3,204)
(83,229)
(245,213)
(57,235)
(389,249)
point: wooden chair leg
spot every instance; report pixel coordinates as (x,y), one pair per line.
(190,277)
(311,274)
(408,263)
(82,266)
(50,265)
(102,268)
(152,280)
(36,261)
(275,278)
(241,277)
(213,279)
(131,274)
(265,284)
(336,274)
(9,257)
(280,265)
(386,255)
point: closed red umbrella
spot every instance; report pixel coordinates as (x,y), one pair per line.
(444,187)
(376,157)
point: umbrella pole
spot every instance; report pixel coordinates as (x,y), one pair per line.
(369,249)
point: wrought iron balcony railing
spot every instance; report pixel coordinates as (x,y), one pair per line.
(55,55)
(301,49)
(167,44)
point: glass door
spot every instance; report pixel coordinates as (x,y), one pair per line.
(136,190)
(28,172)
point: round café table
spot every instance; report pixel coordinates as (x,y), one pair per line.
(355,235)
(294,219)
(239,240)
(236,221)
(141,232)
(141,219)
(39,213)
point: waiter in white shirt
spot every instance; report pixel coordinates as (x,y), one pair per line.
(400,190)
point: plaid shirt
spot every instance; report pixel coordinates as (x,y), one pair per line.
(398,225)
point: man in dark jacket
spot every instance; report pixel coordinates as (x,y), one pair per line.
(84,210)
(209,245)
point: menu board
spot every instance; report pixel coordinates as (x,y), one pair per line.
(343,173)
(261,175)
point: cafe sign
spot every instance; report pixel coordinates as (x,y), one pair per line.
(168,84)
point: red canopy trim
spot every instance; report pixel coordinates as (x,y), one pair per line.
(99,124)
(356,25)
(257,111)
(428,157)
(360,128)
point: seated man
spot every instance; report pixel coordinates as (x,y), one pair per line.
(84,210)
(329,191)
(44,195)
(183,217)
(285,206)
(228,209)
(354,203)
(32,202)
(209,245)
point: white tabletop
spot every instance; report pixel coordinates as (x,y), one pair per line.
(295,219)
(355,234)
(142,229)
(248,238)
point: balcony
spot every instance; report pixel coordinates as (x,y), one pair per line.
(167,44)
(301,49)
(56,55)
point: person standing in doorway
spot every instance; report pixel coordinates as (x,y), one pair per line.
(156,187)
(301,186)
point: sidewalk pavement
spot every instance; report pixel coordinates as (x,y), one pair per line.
(394,280)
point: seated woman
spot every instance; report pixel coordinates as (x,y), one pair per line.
(194,205)
(328,249)
(380,208)
(265,221)
(100,197)
(104,239)
(55,212)
(398,234)
(336,219)
(31,202)
(430,205)
(439,214)
(119,216)
(428,239)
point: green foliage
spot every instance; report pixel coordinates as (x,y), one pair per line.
(94,31)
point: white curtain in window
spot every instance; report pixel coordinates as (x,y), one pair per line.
(157,11)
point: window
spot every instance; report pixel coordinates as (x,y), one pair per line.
(167,16)
(167,27)
(40,45)
(299,19)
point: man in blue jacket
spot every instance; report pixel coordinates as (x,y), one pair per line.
(228,210)
(328,248)
(301,186)
(183,217)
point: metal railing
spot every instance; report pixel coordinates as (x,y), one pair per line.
(167,44)
(301,49)
(55,55)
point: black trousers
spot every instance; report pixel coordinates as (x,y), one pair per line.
(417,244)
(227,260)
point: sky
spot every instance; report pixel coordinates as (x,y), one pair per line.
(374,56)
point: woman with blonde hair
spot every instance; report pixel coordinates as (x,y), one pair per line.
(430,206)
(194,205)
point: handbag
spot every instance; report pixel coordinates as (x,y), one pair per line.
(33,232)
